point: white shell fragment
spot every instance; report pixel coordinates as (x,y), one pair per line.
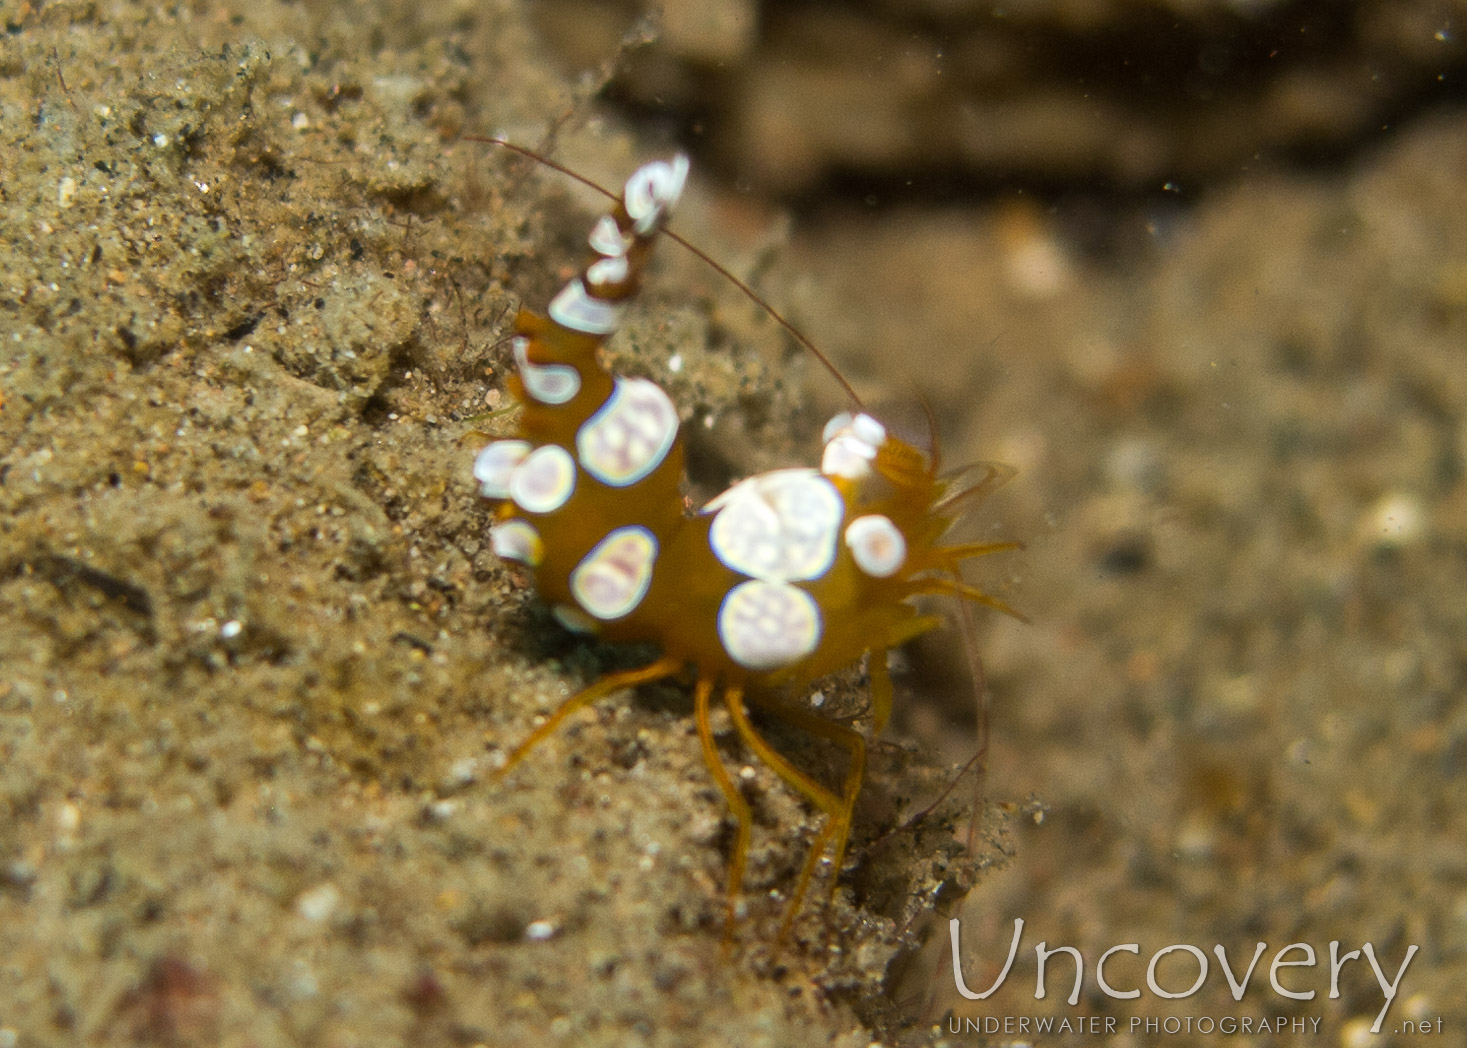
(629,435)
(851,444)
(545,480)
(606,239)
(496,464)
(613,578)
(576,308)
(652,191)
(768,625)
(517,540)
(779,526)
(877,545)
(547,383)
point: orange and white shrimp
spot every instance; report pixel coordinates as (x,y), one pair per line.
(782,579)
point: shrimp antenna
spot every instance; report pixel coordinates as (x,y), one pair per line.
(983,701)
(708,260)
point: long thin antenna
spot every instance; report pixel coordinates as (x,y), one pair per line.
(983,700)
(716,266)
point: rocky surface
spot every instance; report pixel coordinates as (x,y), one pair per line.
(256,659)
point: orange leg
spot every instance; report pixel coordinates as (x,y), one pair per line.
(838,809)
(602,688)
(744,816)
(970,550)
(881,692)
(850,740)
(958,588)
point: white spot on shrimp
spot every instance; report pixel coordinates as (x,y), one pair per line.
(575,308)
(779,526)
(768,625)
(573,619)
(652,191)
(868,430)
(846,457)
(629,435)
(606,271)
(517,540)
(835,426)
(545,480)
(606,239)
(877,545)
(496,464)
(851,443)
(547,383)
(613,578)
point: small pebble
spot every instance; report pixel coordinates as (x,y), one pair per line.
(539,931)
(317,903)
(1394,521)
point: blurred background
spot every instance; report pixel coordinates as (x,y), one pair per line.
(1198,269)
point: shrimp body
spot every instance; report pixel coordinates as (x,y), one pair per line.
(785,577)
